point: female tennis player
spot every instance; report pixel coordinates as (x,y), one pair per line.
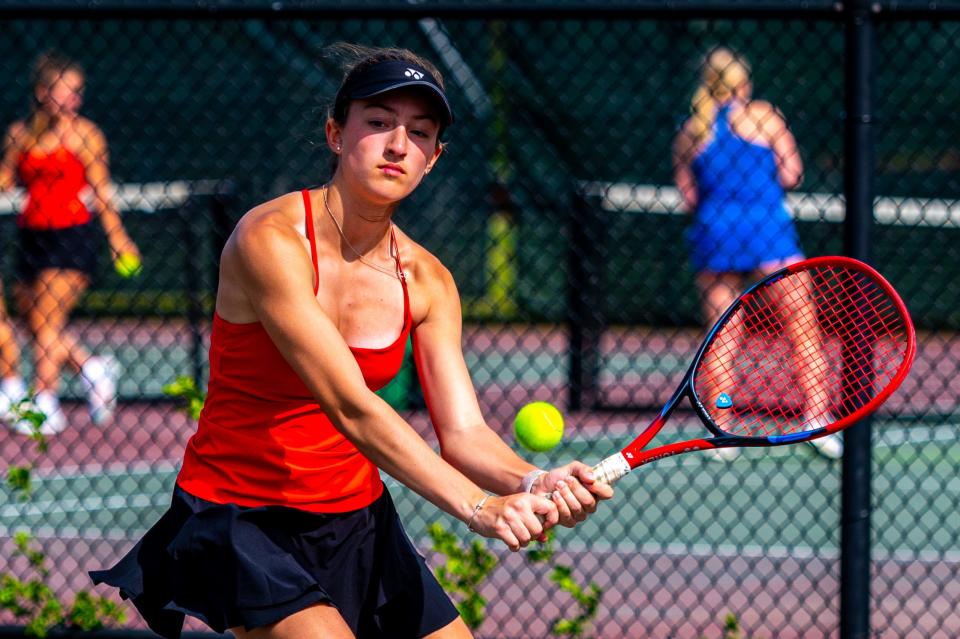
(733,158)
(280,525)
(59,157)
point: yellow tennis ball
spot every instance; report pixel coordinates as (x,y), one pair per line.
(127,265)
(538,426)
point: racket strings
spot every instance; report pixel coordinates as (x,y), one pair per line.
(802,352)
(877,326)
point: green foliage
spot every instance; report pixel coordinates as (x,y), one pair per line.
(465,569)
(587,600)
(19,478)
(543,552)
(88,612)
(26,410)
(19,481)
(35,558)
(33,602)
(185,388)
(731,628)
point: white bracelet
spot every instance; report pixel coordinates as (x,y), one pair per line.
(526,484)
(476,511)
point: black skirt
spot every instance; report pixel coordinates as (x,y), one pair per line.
(74,248)
(233,566)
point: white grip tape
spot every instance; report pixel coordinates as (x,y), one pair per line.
(612,468)
(608,471)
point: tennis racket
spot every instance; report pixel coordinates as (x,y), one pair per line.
(807,351)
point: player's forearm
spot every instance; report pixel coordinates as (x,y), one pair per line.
(109,217)
(497,469)
(396,448)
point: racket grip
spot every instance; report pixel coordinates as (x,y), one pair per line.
(612,468)
(608,471)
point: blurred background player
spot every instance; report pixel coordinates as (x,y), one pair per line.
(61,160)
(733,159)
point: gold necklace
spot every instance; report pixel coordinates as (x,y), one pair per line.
(360,257)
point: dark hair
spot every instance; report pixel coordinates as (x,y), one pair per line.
(357,58)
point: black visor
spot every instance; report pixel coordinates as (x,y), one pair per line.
(390,75)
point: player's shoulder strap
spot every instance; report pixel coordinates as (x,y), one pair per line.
(311,237)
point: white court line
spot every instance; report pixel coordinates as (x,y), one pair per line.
(93,471)
(754,551)
(72,505)
(66,533)
(145,197)
(890,437)
(809,207)
(123,502)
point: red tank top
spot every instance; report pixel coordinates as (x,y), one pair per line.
(262,438)
(53,181)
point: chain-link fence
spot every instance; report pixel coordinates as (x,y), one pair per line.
(560,207)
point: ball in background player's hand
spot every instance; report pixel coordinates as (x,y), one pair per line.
(127,265)
(538,426)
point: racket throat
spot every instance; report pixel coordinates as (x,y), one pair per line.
(612,468)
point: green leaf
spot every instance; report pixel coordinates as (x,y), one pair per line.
(588,600)
(185,387)
(33,602)
(21,539)
(19,480)
(465,568)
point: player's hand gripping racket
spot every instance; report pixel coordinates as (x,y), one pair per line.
(805,352)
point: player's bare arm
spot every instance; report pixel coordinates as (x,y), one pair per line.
(267,259)
(458,421)
(94,154)
(683,150)
(11,147)
(775,133)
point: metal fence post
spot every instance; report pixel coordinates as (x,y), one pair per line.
(584,261)
(858,190)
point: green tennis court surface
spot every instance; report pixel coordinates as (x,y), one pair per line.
(787,498)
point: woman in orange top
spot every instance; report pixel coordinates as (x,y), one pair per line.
(280,525)
(60,158)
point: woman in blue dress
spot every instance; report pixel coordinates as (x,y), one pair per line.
(734,158)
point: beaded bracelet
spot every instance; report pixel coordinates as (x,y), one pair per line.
(476,511)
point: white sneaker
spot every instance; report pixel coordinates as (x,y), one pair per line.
(54,421)
(722,454)
(99,374)
(830,446)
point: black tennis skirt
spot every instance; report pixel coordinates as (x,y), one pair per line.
(233,566)
(74,248)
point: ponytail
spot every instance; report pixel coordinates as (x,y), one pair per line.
(723,72)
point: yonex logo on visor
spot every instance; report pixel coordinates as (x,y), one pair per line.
(390,75)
